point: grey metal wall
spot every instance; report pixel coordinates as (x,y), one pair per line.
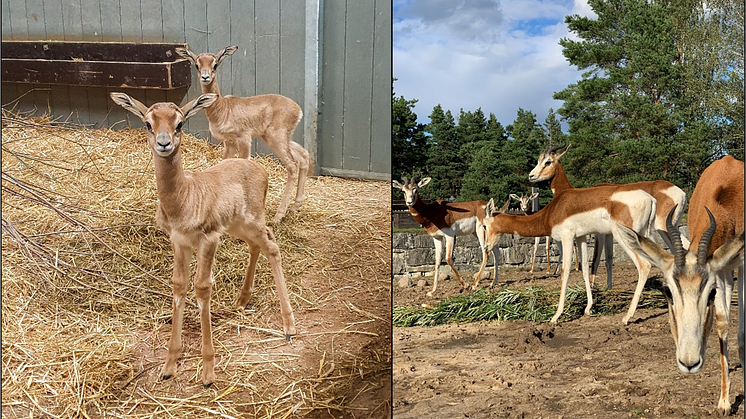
(285,47)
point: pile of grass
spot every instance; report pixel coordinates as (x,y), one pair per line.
(537,304)
(87,294)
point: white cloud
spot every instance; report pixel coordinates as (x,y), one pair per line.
(470,54)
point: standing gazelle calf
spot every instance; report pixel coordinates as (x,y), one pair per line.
(195,209)
(525,203)
(235,121)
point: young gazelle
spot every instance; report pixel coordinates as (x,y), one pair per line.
(699,284)
(667,195)
(235,121)
(572,215)
(525,203)
(195,209)
(443,221)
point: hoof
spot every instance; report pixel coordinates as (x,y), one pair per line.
(166,377)
(288,337)
(206,385)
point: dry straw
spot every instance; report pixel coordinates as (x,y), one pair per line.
(87,298)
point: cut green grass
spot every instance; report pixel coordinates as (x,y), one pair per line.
(536,304)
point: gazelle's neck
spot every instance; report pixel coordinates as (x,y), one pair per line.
(559,181)
(170,180)
(534,225)
(211,87)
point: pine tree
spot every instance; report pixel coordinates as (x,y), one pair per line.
(443,162)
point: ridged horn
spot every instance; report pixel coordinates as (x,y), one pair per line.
(704,241)
(678,251)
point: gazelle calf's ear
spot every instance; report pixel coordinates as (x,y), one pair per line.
(646,248)
(396,184)
(224,53)
(514,196)
(533,195)
(185,53)
(424,182)
(505,206)
(132,105)
(489,208)
(723,256)
(195,105)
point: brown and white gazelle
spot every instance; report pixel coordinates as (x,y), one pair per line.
(443,221)
(195,209)
(525,203)
(235,121)
(667,195)
(699,284)
(571,216)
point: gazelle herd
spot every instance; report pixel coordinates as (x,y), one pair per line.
(699,281)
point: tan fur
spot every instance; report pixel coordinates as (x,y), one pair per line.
(195,209)
(525,203)
(235,121)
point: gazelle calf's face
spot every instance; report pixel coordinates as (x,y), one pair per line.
(206,63)
(524,201)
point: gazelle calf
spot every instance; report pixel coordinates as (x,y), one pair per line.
(235,121)
(525,202)
(195,209)
(443,221)
(667,195)
(699,285)
(572,215)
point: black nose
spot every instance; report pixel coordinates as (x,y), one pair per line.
(693,366)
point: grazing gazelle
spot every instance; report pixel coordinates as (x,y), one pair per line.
(667,195)
(235,121)
(195,209)
(443,221)
(572,215)
(699,282)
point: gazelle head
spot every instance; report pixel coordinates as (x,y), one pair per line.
(206,63)
(546,166)
(410,188)
(525,201)
(163,120)
(493,224)
(690,285)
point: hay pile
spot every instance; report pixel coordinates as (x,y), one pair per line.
(87,295)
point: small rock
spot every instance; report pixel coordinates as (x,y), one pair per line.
(422,283)
(443,276)
(405,281)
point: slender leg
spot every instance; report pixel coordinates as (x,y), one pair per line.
(722,319)
(549,249)
(272,252)
(230,148)
(202,291)
(741,320)
(643,268)
(533,254)
(243,146)
(450,242)
(248,281)
(609,252)
(180,279)
(301,157)
(582,244)
(597,249)
(566,266)
(438,255)
(279,142)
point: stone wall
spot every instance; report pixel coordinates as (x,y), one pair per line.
(414,254)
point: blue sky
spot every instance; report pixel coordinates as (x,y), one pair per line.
(495,54)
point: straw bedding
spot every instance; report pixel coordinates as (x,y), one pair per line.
(87,296)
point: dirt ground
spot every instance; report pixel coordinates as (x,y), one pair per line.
(588,367)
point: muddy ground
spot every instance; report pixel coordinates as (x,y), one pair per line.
(587,367)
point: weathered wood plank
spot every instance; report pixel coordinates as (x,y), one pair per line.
(90,51)
(72,25)
(218,23)
(173,21)
(6,30)
(380,158)
(35,18)
(111,21)
(18,20)
(98,73)
(243,69)
(131,21)
(195,22)
(53,20)
(152,20)
(331,106)
(91,20)
(292,58)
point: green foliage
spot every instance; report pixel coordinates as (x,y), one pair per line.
(408,141)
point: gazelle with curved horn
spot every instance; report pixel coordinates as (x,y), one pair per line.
(443,221)
(699,284)
(667,195)
(194,210)
(235,121)
(572,215)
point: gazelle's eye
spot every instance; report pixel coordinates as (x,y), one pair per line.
(148,126)
(178,127)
